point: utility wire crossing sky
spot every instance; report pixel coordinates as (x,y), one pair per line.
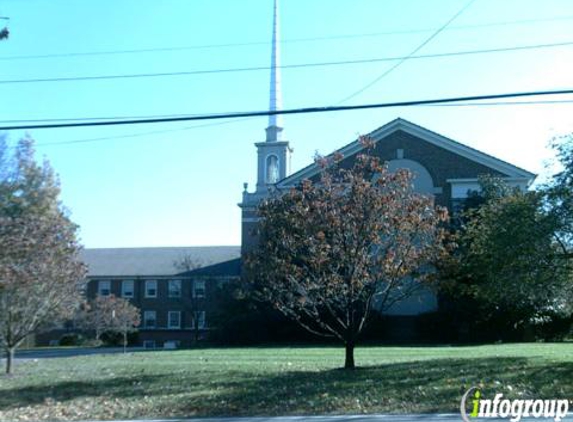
(292,66)
(178,184)
(306,110)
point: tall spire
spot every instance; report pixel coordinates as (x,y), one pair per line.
(274,131)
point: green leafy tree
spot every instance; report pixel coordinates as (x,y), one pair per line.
(40,267)
(332,251)
(508,262)
(559,194)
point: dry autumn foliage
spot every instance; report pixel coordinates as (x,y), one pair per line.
(40,268)
(110,313)
(356,240)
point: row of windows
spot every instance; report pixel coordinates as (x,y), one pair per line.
(150,290)
(170,344)
(174,320)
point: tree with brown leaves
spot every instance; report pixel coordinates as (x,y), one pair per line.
(40,268)
(357,239)
(110,313)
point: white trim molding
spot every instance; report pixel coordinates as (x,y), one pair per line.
(507,169)
(461,187)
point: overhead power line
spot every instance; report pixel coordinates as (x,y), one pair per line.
(306,110)
(83,119)
(286,41)
(504,103)
(187,128)
(292,66)
(140,134)
(412,53)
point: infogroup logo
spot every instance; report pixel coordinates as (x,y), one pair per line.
(512,409)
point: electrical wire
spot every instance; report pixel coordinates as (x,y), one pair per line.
(140,134)
(503,103)
(296,66)
(286,41)
(158,132)
(306,110)
(81,119)
(414,51)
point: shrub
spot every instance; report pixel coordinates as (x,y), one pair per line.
(114,338)
(71,339)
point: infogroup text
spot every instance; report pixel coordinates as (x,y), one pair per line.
(512,409)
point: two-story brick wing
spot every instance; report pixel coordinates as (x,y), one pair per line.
(173,287)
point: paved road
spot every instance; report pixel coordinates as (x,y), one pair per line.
(357,418)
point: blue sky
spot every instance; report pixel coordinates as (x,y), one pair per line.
(181,186)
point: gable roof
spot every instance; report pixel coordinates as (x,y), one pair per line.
(133,262)
(424,134)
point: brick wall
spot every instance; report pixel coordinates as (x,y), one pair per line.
(440,163)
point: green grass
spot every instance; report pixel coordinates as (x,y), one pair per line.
(280,381)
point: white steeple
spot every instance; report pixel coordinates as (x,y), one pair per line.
(275,128)
(273,155)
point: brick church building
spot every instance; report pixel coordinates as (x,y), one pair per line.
(176,302)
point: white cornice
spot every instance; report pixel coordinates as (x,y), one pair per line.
(475,179)
(511,171)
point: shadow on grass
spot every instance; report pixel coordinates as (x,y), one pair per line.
(421,386)
(61,391)
(413,387)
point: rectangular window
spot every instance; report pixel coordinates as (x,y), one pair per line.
(172,344)
(149,344)
(127,288)
(199,288)
(174,287)
(149,319)
(104,287)
(150,288)
(174,319)
(201,322)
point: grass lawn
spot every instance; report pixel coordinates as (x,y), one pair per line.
(280,381)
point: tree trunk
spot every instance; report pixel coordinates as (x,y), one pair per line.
(124,342)
(9,359)
(349,361)
(196,330)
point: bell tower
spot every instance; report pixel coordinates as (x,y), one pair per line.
(273,163)
(273,155)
